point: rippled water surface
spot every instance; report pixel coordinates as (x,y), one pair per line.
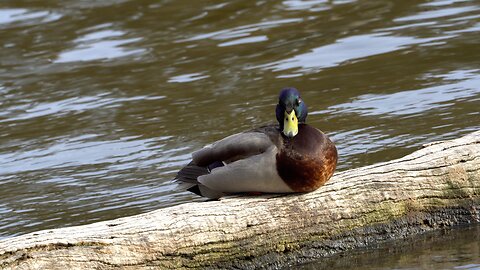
(452,249)
(101,102)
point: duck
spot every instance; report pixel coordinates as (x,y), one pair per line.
(286,157)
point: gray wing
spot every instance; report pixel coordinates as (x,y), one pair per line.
(257,173)
(232,148)
(227,150)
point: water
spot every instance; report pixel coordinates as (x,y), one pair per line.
(450,249)
(101,102)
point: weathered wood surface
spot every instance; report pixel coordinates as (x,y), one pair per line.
(434,187)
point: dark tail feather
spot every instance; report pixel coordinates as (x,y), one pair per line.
(190,173)
(206,192)
(187,179)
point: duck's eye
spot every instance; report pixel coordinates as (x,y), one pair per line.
(292,118)
(298,101)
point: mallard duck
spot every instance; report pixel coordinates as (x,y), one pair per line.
(285,158)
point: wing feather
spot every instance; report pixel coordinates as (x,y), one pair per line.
(232,148)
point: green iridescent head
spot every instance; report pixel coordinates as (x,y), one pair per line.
(290,111)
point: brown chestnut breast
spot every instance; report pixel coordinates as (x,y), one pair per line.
(306,161)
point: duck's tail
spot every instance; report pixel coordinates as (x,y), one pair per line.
(187,180)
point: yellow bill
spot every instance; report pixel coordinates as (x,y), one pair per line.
(290,124)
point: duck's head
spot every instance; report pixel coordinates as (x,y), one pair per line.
(290,111)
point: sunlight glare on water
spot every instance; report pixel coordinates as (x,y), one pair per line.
(103,44)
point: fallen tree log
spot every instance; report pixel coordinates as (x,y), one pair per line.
(437,186)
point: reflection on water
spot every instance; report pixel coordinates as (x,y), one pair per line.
(102,102)
(75,104)
(460,85)
(244,41)
(14,16)
(451,249)
(187,77)
(434,14)
(346,49)
(103,44)
(242,31)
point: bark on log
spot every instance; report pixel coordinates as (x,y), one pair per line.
(437,186)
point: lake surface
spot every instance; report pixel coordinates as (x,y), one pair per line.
(451,249)
(101,102)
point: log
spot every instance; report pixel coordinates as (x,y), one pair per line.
(435,187)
